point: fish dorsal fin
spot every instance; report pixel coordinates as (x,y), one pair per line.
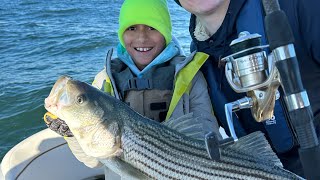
(187,125)
(257,145)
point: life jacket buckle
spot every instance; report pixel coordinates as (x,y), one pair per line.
(139,84)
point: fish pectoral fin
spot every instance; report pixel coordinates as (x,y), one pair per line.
(125,170)
(258,146)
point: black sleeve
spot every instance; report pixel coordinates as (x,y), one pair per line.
(308,13)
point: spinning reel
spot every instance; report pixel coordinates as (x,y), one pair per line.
(249,70)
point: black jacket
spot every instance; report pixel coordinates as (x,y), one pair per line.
(302,16)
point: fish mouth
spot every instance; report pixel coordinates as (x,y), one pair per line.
(58,95)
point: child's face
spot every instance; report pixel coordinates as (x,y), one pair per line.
(143,43)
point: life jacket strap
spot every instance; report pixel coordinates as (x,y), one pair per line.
(138,84)
(184,78)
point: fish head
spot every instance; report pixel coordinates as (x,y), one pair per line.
(83,107)
(75,102)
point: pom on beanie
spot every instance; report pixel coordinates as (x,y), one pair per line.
(153,13)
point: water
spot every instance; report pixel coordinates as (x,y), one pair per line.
(41,40)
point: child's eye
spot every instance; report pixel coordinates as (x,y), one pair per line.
(131,28)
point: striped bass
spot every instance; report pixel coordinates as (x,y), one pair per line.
(109,129)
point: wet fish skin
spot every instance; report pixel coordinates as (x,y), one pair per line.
(106,128)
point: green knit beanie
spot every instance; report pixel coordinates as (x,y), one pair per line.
(153,13)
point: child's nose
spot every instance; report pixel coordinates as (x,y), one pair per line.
(143,36)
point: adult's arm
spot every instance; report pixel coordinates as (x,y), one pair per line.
(308,13)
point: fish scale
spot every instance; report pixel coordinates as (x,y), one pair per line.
(142,148)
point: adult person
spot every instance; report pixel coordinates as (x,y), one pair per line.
(150,74)
(215,23)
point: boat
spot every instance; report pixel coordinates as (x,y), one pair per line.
(45,155)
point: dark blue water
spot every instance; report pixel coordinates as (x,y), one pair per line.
(41,40)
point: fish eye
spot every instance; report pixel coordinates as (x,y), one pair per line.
(81,99)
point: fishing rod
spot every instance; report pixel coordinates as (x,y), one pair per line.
(250,70)
(281,40)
